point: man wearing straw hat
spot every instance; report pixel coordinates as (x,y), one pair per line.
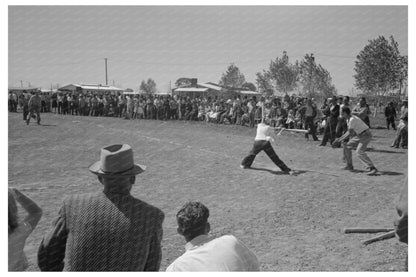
(106,231)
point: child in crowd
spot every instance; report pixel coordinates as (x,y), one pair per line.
(19,231)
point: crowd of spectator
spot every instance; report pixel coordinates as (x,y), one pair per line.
(291,112)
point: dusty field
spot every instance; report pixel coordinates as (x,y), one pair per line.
(292,223)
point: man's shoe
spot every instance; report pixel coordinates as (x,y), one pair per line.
(244,166)
(348,167)
(289,171)
(321,144)
(373,171)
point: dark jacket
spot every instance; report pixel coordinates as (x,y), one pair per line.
(103,232)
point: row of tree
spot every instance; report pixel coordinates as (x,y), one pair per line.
(380,69)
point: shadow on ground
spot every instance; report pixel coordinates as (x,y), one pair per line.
(384,151)
(278,172)
(380,173)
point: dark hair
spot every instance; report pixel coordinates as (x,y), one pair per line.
(192,219)
(346,110)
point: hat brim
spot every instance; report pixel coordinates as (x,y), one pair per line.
(137,169)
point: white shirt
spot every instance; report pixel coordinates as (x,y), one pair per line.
(225,253)
(17,240)
(357,124)
(264,132)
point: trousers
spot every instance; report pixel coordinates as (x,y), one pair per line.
(264,145)
(360,141)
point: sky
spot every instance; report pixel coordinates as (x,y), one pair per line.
(67,44)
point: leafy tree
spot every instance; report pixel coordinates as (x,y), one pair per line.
(380,68)
(264,83)
(148,87)
(182,82)
(316,81)
(283,74)
(232,77)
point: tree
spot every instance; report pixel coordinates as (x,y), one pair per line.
(232,77)
(264,83)
(380,68)
(283,74)
(316,81)
(182,82)
(148,87)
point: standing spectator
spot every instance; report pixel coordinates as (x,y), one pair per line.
(106,231)
(402,130)
(24,103)
(204,253)
(342,123)
(362,110)
(251,112)
(54,102)
(332,115)
(390,114)
(129,107)
(310,114)
(43,102)
(60,103)
(65,104)
(121,104)
(81,105)
(34,107)
(173,104)
(19,231)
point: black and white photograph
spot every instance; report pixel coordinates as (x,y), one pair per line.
(207,138)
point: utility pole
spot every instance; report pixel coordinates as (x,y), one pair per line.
(106,77)
(21,83)
(113,83)
(312,60)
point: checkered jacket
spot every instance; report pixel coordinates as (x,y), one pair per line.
(103,232)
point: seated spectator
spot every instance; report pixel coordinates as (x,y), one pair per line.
(205,253)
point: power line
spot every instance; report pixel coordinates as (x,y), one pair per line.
(185,64)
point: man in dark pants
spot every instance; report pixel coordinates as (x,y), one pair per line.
(390,113)
(310,114)
(262,143)
(331,122)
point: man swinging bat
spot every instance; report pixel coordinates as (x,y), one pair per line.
(262,143)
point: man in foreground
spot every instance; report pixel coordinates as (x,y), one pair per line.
(359,136)
(204,253)
(106,231)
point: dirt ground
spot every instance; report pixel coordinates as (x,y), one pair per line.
(292,223)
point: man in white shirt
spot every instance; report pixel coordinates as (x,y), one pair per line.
(205,253)
(359,136)
(262,143)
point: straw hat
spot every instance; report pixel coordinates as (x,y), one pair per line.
(116,161)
